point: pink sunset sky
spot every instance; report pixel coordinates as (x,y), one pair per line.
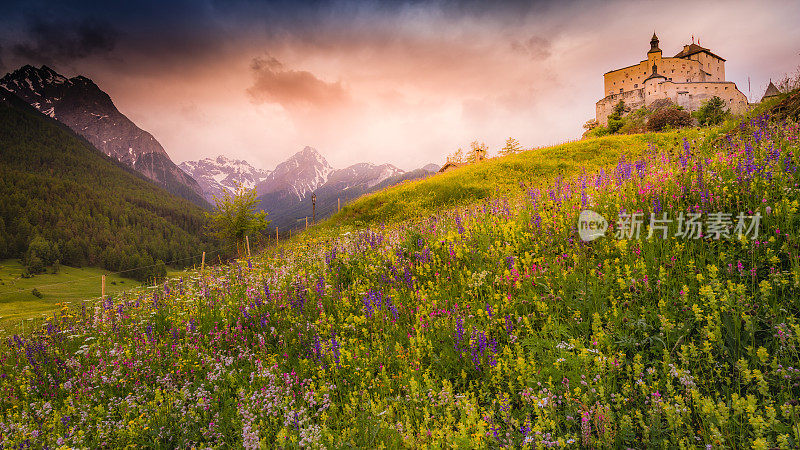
(404,83)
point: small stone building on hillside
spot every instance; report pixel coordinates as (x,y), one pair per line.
(772,91)
(688,79)
(477,156)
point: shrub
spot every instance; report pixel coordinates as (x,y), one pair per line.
(614,125)
(672,117)
(598,131)
(713,112)
(635,121)
(36,293)
(35,264)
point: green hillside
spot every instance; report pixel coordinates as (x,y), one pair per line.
(492,326)
(500,176)
(62,200)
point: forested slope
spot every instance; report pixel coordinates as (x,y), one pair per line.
(62,199)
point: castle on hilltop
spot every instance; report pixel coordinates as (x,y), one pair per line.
(688,79)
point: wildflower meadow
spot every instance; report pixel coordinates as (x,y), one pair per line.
(489,325)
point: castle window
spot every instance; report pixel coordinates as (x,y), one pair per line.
(620,90)
(635,86)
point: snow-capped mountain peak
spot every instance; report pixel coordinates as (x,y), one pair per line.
(221,174)
(301,174)
(366,174)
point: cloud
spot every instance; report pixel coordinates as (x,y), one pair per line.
(54,41)
(536,47)
(293,89)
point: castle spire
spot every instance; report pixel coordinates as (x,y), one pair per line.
(654,44)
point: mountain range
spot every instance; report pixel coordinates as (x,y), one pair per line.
(81,105)
(285,192)
(222,174)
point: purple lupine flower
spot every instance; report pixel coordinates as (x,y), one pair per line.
(788,165)
(407,275)
(392,308)
(367,306)
(330,256)
(656,204)
(684,157)
(509,325)
(321,285)
(335,348)
(317,347)
(482,342)
(536,221)
(459,332)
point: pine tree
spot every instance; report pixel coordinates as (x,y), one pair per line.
(512,146)
(458,156)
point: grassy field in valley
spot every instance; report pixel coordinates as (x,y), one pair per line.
(69,287)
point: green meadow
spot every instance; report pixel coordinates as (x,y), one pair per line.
(501,176)
(69,287)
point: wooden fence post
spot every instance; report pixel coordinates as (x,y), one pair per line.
(203,262)
(247,240)
(306,222)
(103,286)
(338,204)
(276,235)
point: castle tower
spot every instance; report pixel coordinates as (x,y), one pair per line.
(654,55)
(654,44)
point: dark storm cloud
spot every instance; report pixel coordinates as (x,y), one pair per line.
(50,40)
(275,83)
